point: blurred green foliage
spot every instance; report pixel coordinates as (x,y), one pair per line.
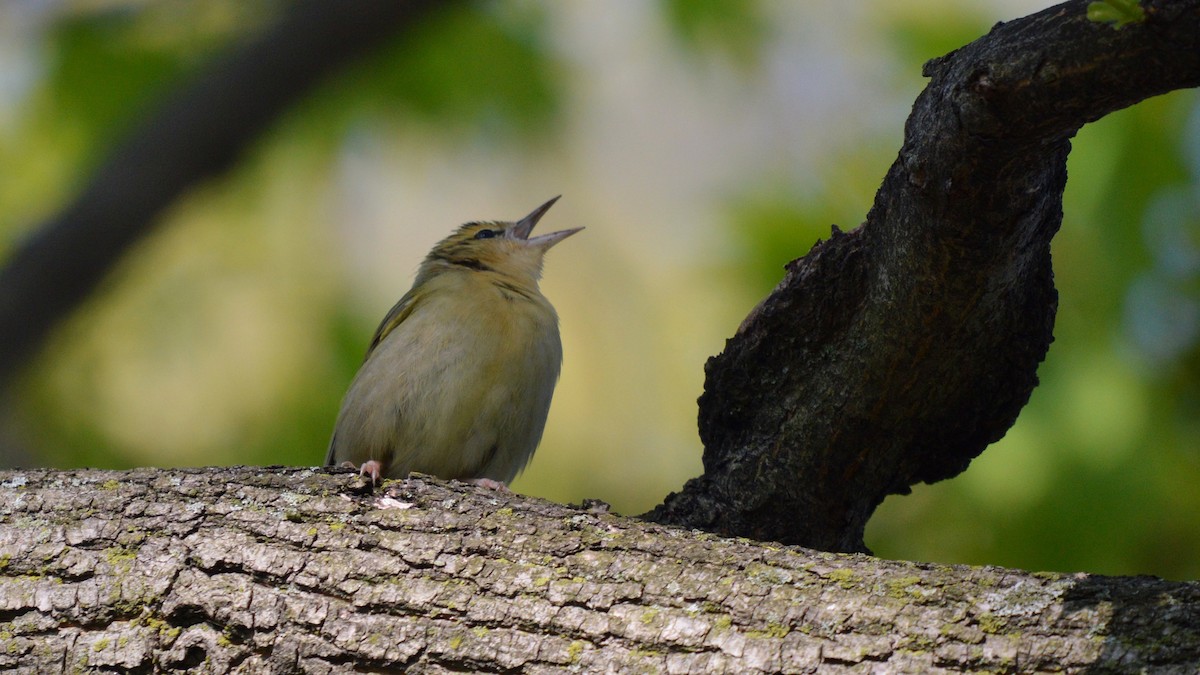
(465,68)
(736,28)
(230,335)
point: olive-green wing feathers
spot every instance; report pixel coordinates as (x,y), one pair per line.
(399,312)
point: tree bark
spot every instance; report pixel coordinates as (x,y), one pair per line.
(895,353)
(298,570)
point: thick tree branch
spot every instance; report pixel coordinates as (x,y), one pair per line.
(293,570)
(896,353)
(199,132)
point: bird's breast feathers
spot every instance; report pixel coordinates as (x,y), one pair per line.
(469,376)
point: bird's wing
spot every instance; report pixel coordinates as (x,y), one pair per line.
(329,453)
(399,312)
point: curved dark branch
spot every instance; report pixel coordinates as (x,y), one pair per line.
(199,132)
(896,353)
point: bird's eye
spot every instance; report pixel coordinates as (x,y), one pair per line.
(486,234)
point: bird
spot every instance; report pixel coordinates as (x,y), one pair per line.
(458,377)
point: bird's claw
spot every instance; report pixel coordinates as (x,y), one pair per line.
(373,469)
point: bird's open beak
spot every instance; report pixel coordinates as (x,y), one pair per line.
(525,225)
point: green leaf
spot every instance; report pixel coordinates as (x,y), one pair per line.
(1120,13)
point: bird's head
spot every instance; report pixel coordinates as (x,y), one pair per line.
(501,247)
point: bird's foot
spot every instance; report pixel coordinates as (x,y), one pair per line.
(371,468)
(374,469)
(490,484)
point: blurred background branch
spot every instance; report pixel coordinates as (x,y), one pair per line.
(197,132)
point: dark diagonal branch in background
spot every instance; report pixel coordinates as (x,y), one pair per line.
(197,133)
(896,353)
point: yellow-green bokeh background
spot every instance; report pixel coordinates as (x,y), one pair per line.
(703,144)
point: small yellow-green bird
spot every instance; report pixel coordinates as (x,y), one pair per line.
(458,378)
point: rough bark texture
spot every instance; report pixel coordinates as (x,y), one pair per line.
(896,353)
(197,133)
(296,570)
